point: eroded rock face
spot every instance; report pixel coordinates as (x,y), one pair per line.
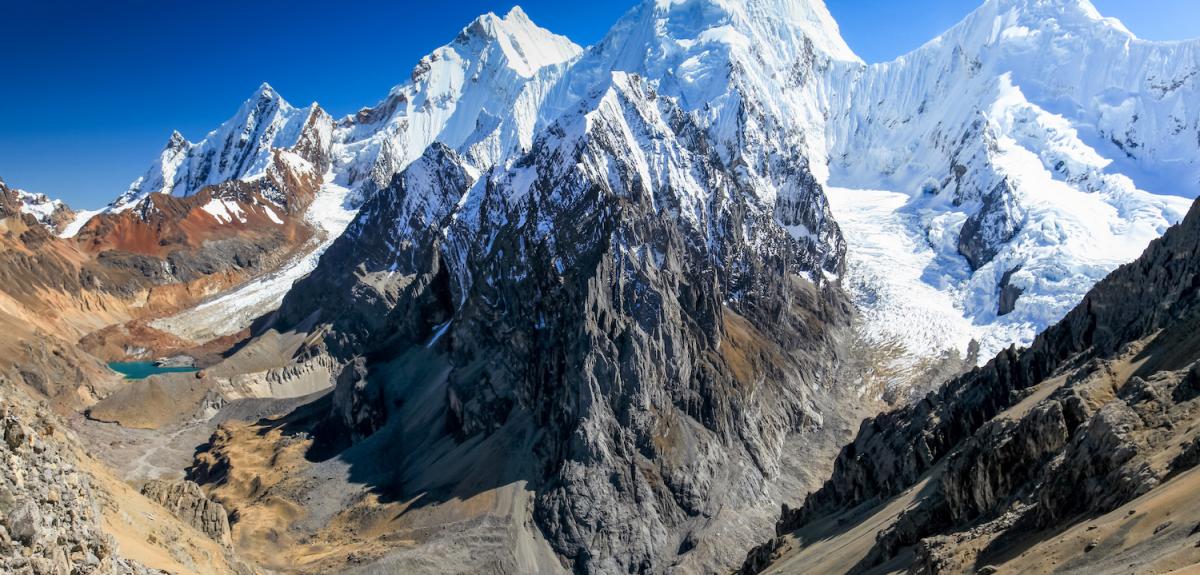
(188,502)
(1009,293)
(984,234)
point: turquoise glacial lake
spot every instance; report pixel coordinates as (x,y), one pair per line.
(144,369)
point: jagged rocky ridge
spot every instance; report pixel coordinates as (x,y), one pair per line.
(185,499)
(587,261)
(1112,420)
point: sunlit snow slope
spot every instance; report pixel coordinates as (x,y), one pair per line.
(1035,146)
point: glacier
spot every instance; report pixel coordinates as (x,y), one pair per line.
(1039,144)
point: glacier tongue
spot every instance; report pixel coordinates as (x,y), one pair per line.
(330,213)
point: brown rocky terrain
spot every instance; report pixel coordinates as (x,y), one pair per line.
(62,512)
(125,268)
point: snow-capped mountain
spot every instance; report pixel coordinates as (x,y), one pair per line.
(623,270)
(479,95)
(746,72)
(1032,149)
(241,148)
(462,95)
(54,214)
(314,171)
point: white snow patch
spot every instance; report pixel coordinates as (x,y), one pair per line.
(441,330)
(81,219)
(224,211)
(272,215)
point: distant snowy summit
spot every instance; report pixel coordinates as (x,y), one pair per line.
(457,95)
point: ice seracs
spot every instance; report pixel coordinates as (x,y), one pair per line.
(1041,146)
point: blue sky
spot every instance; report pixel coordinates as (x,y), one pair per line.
(90,91)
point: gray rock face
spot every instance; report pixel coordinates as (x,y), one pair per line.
(187,501)
(14,433)
(1082,450)
(1009,293)
(25,522)
(996,222)
(658,338)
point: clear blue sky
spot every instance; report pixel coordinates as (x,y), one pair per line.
(90,91)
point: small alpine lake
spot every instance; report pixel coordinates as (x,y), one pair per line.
(144,369)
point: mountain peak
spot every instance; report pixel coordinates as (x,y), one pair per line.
(516,13)
(176,141)
(265,93)
(782,22)
(527,46)
(1066,14)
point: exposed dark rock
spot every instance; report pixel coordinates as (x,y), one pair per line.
(1009,293)
(24,522)
(14,433)
(997,221)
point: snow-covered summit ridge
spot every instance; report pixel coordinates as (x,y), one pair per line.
(479,95)
(461,94)
(239,149)
(711,54)
(1129,99)
(526,46)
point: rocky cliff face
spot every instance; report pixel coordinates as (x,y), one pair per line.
(54,215)
(1094,415)
(607,310)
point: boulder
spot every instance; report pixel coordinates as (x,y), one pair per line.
(188,502)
